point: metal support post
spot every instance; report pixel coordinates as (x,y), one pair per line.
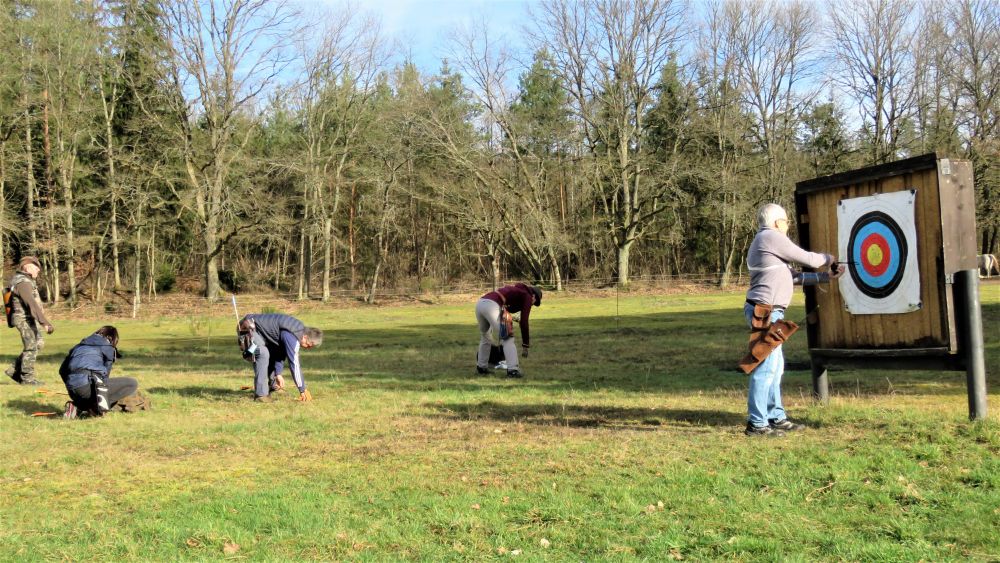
(970,339)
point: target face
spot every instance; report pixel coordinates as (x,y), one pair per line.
(877,237)
(876,254)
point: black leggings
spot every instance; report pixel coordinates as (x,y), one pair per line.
(118,389)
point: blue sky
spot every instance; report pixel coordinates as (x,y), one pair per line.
(422,27)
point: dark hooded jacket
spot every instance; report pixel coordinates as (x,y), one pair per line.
(270,325)
(93,354)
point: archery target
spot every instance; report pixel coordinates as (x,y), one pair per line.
(877,237)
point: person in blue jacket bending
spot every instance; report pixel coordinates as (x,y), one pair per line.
(275,341)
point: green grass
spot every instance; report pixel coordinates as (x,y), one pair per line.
(623,442)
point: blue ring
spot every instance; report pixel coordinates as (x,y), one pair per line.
(890,237)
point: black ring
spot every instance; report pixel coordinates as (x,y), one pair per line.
(854,262)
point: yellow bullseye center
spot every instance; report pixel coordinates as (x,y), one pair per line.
(874,255)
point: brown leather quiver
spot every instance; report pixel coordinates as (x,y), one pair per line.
(763,342)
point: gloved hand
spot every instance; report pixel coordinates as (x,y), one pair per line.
(305,396)
(837,270)
(524,350)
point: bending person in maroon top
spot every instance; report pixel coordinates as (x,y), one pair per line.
(517,298)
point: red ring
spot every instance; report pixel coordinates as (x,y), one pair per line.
(877,240)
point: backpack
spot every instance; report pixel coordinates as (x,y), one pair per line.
(8,305)
(135,402)
(244,336)
(506,320)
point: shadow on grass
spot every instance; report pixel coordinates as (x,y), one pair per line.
(202,392)
(653,352)
(32,406)
(587,416)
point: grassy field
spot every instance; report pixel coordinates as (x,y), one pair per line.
(623,442)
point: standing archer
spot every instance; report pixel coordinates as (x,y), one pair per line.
(771,281)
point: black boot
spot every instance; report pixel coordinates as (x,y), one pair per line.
(482,371)
(514,374)
(13,375)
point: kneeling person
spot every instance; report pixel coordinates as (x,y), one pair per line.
(277,340)
(86,371)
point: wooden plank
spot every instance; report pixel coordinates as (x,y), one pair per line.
(871,173)
(880,353)
(924,220)
(932,280)
(824,233)
(958,215)
(958,229)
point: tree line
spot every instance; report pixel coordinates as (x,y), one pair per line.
(254,145)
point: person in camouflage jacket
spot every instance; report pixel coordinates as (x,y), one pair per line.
(27,316)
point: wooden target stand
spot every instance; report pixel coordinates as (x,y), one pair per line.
(946,331)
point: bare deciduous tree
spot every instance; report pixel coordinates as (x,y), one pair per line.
(342,63)
(518,169)
(976,41)
(609,54)
(872,44)
(224,54)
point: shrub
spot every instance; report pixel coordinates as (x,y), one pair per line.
(165,278)
(231,281)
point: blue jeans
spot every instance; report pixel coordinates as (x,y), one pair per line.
(764,397)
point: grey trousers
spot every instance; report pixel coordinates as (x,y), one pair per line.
(488,316)
(118,389)
(263,366)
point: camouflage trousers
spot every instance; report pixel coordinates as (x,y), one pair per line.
(31,343)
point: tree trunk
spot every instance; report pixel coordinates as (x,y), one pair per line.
(136,289)
(151,275)
(327,264)
(302,263)
(382,243)
(29,163)
(370,298)
(495,265)
(3,203)
(350,238)
(52,272)
(212,288)
(112,185)
(556,273)
(309,264)
(282,264)
(98,288)
(623,262)
(115,242)
(303,273)
(70,236)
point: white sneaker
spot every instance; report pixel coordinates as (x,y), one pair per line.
(501,365)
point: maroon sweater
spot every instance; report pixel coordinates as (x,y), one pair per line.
(519,299)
